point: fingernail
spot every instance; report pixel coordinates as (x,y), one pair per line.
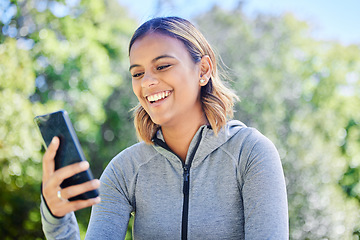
(96,182)
(84,164)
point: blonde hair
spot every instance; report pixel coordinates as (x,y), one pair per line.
(217,100)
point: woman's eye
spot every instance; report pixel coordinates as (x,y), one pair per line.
(163,67)
(136,75)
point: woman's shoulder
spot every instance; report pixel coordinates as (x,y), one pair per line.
(254,151)
(248,140)
(248,134)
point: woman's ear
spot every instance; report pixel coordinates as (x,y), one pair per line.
(205,70)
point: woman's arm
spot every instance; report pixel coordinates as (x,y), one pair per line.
(58,228)
(264,191)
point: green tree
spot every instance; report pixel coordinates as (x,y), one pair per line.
(19,145)
(301,93)
(54,55)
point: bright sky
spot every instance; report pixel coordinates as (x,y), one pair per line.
(330,19)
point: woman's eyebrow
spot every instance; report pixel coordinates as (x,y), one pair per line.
(162,56)
(154,60)
(134,65)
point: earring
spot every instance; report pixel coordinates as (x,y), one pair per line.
(202,80)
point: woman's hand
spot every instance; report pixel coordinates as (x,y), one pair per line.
(57,202)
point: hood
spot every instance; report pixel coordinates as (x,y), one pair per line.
(209,142)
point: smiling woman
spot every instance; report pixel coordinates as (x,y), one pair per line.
(163,67)
(237,187)
(215,99)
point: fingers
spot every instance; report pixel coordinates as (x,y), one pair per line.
(63,207)
(70,170)
(75,190)
(57,199)
(48,159)
(63,173)
(52,184)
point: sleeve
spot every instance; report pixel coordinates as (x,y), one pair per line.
(264,191)
(109,219)
(58,228)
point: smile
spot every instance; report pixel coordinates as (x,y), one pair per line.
(158,96)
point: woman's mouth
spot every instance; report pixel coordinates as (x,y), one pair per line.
(158,96)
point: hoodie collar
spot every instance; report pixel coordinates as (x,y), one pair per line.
(209,142)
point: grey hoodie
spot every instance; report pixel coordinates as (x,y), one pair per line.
(231,186)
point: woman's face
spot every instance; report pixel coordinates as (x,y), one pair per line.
(165,80)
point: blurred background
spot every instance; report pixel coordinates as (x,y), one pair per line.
(295,67)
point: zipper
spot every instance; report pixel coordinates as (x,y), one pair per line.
(186,183)
(186,190)
(185,213)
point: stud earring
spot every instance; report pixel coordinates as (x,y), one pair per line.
(202,80)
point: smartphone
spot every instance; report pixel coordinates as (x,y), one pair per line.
(69,151)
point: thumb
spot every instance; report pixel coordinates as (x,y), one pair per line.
(48,159)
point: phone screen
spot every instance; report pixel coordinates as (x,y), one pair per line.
(69,151)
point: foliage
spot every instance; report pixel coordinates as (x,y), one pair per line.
(19,145)
(302,94)
(56,55)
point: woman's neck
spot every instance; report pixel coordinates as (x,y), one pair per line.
(178,138)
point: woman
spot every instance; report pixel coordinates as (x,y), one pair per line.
(195,175)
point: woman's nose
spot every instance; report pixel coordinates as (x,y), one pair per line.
(149,80)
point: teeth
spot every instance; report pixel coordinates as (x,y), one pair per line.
(158,96)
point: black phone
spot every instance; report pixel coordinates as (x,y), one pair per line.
(69,151)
